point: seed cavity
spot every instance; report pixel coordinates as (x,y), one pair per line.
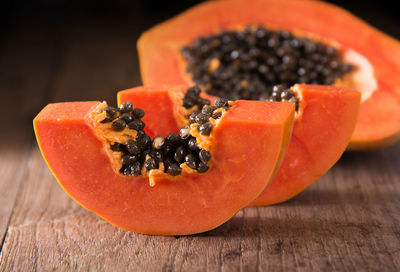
(140,154)
(248,64)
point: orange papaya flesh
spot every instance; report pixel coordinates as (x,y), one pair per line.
(323,125)
(376,56)
(246,147)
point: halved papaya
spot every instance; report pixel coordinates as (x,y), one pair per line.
(91,147)
(311,40)
(324,123)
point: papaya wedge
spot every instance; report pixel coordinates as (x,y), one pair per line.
(246,144)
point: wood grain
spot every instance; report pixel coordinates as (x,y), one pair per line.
(347,221)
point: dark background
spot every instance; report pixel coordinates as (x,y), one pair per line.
(383,14)
(65,50)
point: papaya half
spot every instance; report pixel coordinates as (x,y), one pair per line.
(324,122)
(174,185)
(241,48)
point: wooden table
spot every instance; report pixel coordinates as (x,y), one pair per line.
(349,220)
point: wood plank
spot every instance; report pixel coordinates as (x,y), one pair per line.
(12,168)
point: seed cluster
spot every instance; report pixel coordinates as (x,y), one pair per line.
(247,64)
(124,116)
(192,98)
(281,93)
(204,111)
(144,154)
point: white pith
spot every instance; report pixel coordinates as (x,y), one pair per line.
(362,78)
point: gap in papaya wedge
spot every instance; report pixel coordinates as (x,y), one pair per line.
(135,153)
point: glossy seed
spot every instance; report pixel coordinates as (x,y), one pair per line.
(286,95)
(202,167)
(136,125)
(118,125)
(158,142)
(126,170)
(127,106)
(180,153)
(174,169)
(184,132)
(111,112)
(192,144)
(204,155)
(128,159)
(208,109)
(192,118)
(150,164)
(201,118)
(205,129)
(191,161)
(276,96)
(157,155)
(167,162)
(144,142)
(138,113)
(173,139)
(133,147)
(127,117)
(136,169)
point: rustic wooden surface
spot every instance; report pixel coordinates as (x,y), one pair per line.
(347,221)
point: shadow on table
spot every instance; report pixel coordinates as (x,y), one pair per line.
(271,228)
